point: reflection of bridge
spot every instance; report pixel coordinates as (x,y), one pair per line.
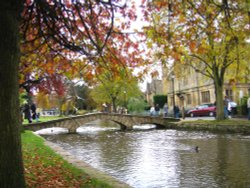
(125,121)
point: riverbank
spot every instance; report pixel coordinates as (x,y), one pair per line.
(237,125)
(47,165)
(40,172)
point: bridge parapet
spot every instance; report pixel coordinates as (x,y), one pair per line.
(126,121)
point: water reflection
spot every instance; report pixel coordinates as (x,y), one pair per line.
(162,158)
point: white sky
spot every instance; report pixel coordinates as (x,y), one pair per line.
(138,25)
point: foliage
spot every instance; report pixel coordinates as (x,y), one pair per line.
(44,119)
(115,87)
(75,40)
(160,99)
(136,104)
(84,100)
(23,97)
(42,100)
(209,36)
(80,26)
(242,107)
(81,112)
(44,168)
(51,31)
(90,50)
(71,98)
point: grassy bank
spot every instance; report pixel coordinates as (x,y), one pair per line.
(44,119)
(227,126)
(229,122)
(45,168)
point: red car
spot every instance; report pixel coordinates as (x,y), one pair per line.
(203,110)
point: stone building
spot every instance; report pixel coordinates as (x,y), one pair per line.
(153,88)
(191,88)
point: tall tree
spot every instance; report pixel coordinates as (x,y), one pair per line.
(80,26)
(11,166)
(208,35)
(115,88)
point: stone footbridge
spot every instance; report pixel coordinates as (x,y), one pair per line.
(126,121)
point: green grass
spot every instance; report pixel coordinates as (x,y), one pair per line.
(45,168)
(44,119)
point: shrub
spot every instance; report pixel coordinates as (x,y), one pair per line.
(161,100)
(242,107)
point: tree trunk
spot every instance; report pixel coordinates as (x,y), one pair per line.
(218,83)
(114,104)
(60,103)
(11,164)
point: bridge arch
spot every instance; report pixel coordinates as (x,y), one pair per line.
(125,121)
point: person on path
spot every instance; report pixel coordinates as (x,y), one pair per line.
(33,111)
(152,111)
(176,112)
(27,114)
(165,110)
(248,107)
(157,109)
(226,102)
(105,107)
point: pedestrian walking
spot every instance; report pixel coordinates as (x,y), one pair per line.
(176,112)
(226,102)
(105,107)
(157,109)
(152,111)
(165,110)
(33,111)
(27,114)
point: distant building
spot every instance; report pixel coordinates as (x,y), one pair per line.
(191,88)
(153,88)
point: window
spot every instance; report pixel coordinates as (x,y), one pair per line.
(189,101)
(229,93)
(205,96)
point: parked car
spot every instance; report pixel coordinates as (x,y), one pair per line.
(203,110)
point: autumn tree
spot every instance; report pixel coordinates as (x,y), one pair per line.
(39,65)
(56,86)
(111,73)
(42,100)
(80,26)
(84,100)
(42,60)
(209,36)
(115,88)
(11,166)
(57,32)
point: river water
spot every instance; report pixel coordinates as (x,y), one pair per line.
(151,158)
